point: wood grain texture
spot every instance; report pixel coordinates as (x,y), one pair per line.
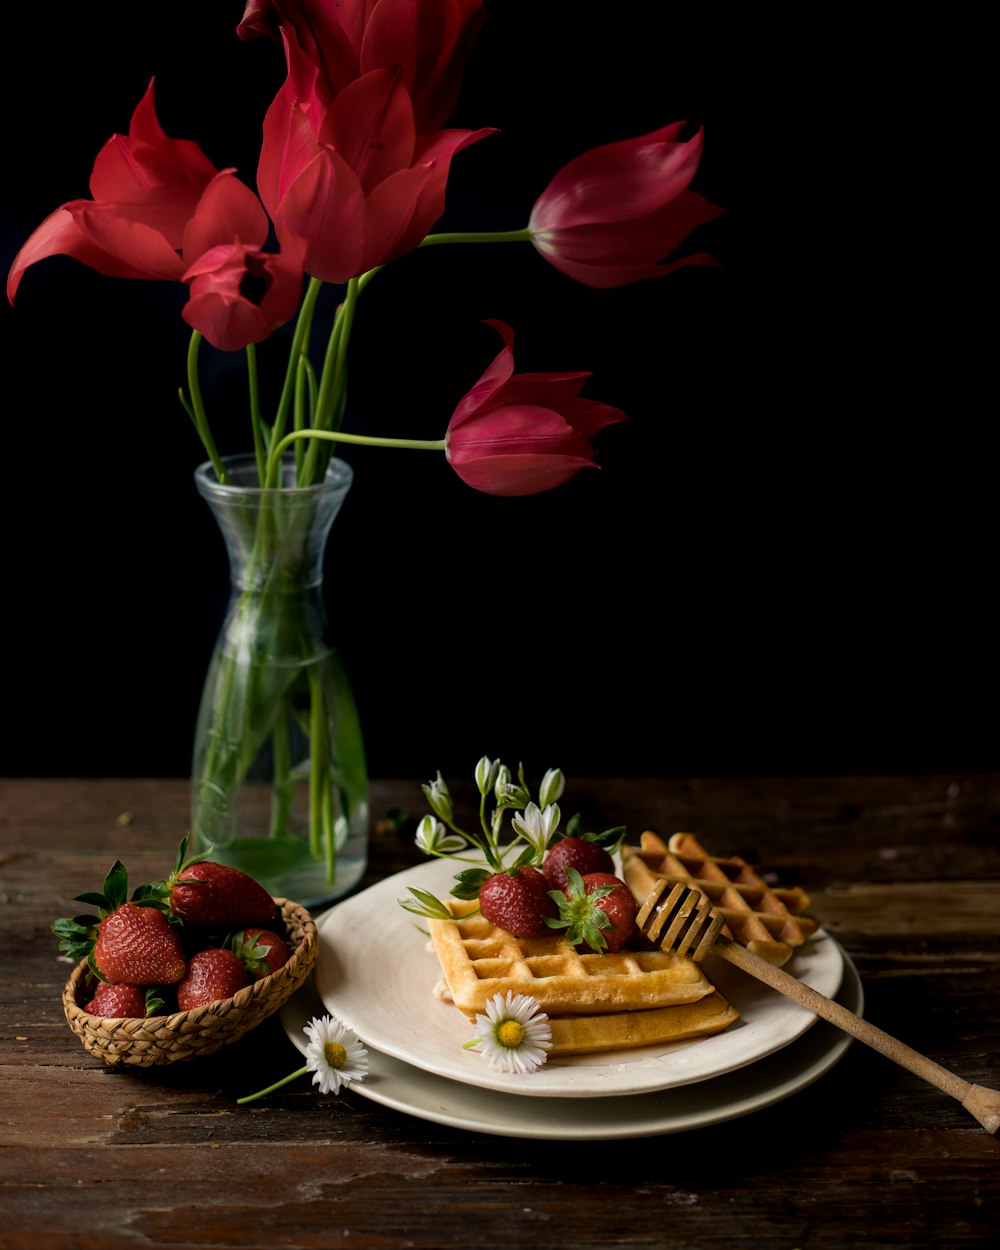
(904,871)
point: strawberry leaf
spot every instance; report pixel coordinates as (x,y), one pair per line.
(94,899)
(579,914)
(470,882)
(116,887)
(154,1001)
(425,904)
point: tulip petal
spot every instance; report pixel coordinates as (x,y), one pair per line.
(127,168)
(370,124)
(619,181)
(227,210)
(325,206)
(138,247)
(517,475)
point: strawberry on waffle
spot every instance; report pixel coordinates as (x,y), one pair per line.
(767,920)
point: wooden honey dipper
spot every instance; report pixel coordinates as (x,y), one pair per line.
(684,920)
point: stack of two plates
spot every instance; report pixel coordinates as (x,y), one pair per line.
(376,974)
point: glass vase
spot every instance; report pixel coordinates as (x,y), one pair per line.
(279,781)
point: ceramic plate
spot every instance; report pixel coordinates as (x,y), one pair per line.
(376,973)
(455,1104)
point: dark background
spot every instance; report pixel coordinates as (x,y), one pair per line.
(787,560)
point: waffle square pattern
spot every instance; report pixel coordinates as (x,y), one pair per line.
(479,960)
(768,921)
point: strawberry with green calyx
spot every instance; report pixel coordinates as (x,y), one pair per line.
(211,975)
(597,911)
(260,951)
(130,941)
(209,895)
(122,1001)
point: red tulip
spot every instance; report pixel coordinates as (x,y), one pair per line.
(352,178)
(612,215)
(428,39)
(239,293)
(519,434)
(145,189)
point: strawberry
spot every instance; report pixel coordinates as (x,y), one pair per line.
(123,1000)
(138,946)
(130,943)
(215,896)
(212,974)
(583,854)
(260,951)
(597,911)
(516,900)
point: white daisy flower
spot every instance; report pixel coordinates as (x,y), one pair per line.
(334,1055)
(513,1034)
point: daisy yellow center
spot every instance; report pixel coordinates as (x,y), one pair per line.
(510,1034)
(334,1054)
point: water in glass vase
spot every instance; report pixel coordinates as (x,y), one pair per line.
(279,782)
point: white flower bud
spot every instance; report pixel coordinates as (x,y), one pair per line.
(438,797)
(553,784)
(428,832)
(486,774)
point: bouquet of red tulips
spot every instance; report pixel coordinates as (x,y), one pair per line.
(353,173)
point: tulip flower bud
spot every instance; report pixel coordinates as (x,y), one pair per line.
(436,793)
(553,784)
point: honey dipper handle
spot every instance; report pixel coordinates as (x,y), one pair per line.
(979,1100)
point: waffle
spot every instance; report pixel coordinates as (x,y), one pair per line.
(479,960)
(768,921)
(628,1030)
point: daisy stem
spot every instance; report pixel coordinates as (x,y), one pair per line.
(293,1076)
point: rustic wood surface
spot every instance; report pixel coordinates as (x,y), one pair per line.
(903,871)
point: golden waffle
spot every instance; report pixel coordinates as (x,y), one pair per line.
(627,1030)
(479,960)
(765,920)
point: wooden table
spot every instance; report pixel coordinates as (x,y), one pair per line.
(903,871)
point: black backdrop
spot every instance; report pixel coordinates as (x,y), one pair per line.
(785,563)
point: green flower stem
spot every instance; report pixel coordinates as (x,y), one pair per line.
(335,436)
(479,236)
(260,441)
(317,769)
(197,409)
(300,343)
(283,786)
(285,1080)
(329,403)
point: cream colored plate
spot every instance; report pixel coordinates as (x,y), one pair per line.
(376,974)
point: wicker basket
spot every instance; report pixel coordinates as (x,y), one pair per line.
(203,1031)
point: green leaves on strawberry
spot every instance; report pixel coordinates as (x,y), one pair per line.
(260,951)
(129,941)
(597,911)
